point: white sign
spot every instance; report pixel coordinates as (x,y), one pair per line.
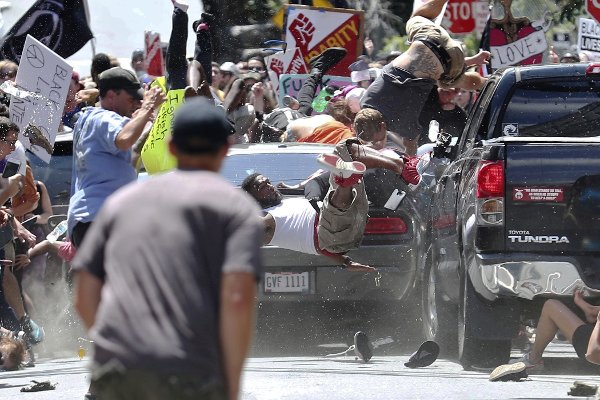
(43,72)
(588,36)
(515,52)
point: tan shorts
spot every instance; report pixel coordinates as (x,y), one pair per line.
(421,26)
(341,230)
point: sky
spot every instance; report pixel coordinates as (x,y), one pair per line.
(118,26)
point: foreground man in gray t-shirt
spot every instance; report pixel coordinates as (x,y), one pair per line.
(167,274)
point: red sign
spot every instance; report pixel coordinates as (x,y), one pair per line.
(461,16)
(310,31)
(593,7)
(153,57)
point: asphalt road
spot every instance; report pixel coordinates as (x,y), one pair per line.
(288,362)
(385,377)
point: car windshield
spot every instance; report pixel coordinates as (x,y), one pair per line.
(291,168)
(550,109)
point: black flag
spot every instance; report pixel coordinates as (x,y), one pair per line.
(59,24)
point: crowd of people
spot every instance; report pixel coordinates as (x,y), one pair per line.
(166,283)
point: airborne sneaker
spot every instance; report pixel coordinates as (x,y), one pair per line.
(425,356)
(362,346)
(409,172)
(327,59)
(346,173)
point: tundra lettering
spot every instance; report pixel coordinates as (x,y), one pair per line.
(538,239)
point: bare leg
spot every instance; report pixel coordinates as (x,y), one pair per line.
(430,10)
(555,315)
(13,294)
(342,197)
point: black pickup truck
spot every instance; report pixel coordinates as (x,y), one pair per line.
(515,213)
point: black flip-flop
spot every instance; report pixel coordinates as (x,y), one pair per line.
(428,352)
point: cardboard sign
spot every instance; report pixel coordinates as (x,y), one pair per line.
(153,56)
(528,194)
(45,73)
(290,84)
(589,36)
(517,41)
(155,153)
(310,30)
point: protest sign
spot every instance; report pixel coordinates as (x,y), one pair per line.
(43,72)
(309,31)
(290,84)
(589,36)
(517,41)
(153,56)
(155,153)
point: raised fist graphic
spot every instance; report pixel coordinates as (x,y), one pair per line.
(302,30)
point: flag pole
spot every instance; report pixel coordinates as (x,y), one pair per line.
(87,17)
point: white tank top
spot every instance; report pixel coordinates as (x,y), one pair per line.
(294,225)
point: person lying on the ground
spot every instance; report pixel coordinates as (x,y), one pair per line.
(302,106)
(432,58)
(12,351)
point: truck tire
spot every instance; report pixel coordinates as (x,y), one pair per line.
(439,316)
(473,351)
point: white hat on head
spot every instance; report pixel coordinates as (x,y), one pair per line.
(230,67)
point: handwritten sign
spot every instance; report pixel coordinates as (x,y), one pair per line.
(290,84)
(155,153)
(45,73)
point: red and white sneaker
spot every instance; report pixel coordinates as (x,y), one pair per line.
(346,173)
(409,172)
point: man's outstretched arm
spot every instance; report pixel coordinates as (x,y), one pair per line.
(349,264)
(374,159)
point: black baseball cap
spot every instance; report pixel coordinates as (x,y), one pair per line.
(118,78)
(200,127)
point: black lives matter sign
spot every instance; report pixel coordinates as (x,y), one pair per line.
(589,35)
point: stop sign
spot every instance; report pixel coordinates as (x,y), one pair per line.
(460,16)
(593,8)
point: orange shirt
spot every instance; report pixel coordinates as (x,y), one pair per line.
(330,132)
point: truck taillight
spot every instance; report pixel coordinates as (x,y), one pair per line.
(593,69)
(385,226)
(490,179)
(490,193)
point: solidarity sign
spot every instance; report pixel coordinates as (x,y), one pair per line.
(310,30)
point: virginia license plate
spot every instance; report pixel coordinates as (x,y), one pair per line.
(287,282)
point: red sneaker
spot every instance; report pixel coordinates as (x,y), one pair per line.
(409,172)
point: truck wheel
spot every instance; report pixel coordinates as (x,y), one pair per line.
(439,316)
(472,350)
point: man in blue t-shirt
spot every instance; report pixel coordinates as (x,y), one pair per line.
(102,141)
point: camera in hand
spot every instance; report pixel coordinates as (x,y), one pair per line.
(10,169)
